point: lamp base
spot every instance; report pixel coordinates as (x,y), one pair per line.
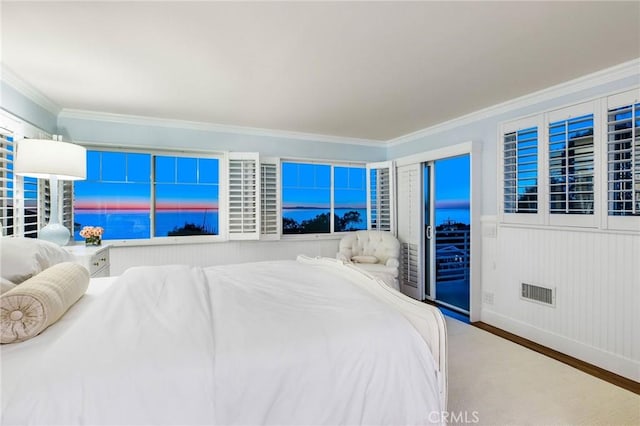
(55,233)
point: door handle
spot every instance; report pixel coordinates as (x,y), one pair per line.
(429,232)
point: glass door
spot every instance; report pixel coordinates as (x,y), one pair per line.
(448,232)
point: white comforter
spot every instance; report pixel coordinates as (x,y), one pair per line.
(265,343)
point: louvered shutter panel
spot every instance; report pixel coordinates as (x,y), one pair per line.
(244,185)
(521,171)
(380,196)
(270,222)
(623,159)
(571,165)
(410,230)
(66,205)
(6,181)
(31,205)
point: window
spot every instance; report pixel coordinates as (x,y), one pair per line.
(6,175)
(23,200)
(186,196)
(623,160)
(571,166)
(120,187)
(306,198)
(589,159)
(350,198)
(521,171)
(116,195)
(323,198)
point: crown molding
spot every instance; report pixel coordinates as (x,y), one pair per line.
(211,127)
(24,88)
(608,75)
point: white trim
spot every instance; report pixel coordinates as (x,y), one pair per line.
(436,154)
(617,72)
(538,122)
(474,150)
(24,88)
(211,127)
(618,364)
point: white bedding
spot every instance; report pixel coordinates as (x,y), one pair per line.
(306,342)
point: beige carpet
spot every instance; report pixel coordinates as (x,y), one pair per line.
(493,381)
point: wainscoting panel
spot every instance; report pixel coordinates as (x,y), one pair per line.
(219,253)
(596,279)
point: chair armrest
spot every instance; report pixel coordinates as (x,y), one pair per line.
(393,262)
(341,256)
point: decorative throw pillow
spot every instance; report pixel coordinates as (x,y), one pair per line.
(23,258)
(5,285)
(364,259)
(31,307)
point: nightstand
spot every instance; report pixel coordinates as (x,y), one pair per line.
(94,258)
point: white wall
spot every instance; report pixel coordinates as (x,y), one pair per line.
(596,276)
(483,125)
(596,272)
(26,109)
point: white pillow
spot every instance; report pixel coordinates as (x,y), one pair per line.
(23,258)
(31,307)
(364,259)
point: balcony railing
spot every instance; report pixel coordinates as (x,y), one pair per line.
(453,255)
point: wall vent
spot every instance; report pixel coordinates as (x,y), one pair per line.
(534,293)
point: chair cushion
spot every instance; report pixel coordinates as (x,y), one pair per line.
(364,259)
(375,268)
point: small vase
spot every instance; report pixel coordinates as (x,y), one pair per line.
(93,241)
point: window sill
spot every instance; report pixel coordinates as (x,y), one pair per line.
(550,227)
(166,241)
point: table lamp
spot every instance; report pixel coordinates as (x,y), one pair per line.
(53,160)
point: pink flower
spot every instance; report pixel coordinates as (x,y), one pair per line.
(91,232)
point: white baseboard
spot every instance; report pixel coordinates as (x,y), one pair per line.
(617,364)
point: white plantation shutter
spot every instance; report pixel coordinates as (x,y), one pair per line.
(6,181)
(270,222)
(623,160)
(66,205)
(244,201)
(31,205)
(571,162)
(380,196)
(410,230)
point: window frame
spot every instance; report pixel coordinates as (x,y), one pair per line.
(222,194)
(332,164)
(621,223)
(542,170)
(578,110)
(600,219)
(18,129)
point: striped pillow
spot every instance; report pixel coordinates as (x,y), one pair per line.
(40,301)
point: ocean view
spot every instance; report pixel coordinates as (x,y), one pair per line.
(136,224)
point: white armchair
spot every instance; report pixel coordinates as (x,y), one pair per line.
(376,252)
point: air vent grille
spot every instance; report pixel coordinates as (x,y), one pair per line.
(538,294)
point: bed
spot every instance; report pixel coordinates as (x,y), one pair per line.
(305,341)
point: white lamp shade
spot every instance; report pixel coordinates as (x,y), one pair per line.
(48,158)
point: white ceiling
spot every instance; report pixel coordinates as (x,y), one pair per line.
(371,70)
